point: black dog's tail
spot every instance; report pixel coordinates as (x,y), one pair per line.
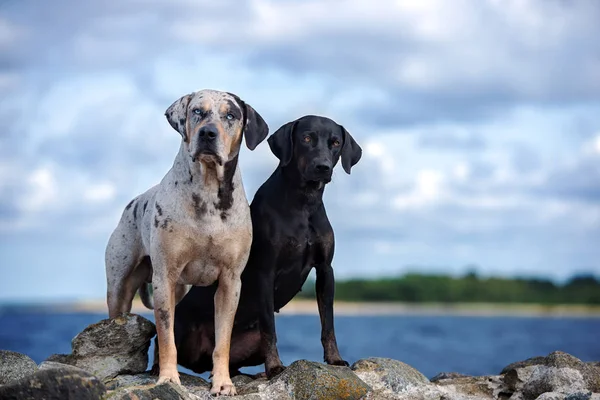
(146,295)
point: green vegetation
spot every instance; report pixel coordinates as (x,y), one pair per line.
(415,288)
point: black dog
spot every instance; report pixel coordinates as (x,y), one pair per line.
(291,235)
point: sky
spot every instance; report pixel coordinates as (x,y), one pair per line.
(479,122)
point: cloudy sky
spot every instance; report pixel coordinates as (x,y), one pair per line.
(479,121)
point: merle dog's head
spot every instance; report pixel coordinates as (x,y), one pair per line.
(212,123)
(313,145)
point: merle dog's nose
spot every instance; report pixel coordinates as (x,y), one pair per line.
(208,132)
(323,168)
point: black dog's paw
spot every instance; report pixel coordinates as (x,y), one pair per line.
(340,362)
(260,375)
(155,370)
(276,370)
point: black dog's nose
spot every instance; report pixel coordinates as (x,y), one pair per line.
(208,132)
(323,168)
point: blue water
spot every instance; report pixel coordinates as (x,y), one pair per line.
(432,344)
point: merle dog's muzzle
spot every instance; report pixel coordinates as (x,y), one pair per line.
(206,144)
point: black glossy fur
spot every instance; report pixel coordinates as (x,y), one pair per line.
(292,234)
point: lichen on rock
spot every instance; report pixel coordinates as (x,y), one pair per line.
(14,366)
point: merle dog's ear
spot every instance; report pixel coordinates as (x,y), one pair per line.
(176,115)
(281,143)
(351,151)
(255,127)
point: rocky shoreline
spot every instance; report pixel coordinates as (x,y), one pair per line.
(109,360)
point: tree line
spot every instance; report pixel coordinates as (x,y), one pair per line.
(417,288)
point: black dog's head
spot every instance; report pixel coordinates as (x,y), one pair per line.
(314,145)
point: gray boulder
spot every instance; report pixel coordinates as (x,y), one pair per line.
(558,373)
(165,391)
(447,375)
(521,364)
(572,396)
(388,374)
(127,384)
(392,379)
(473,387)
(308,380)
(14,366)
(55,384)
(111,347)
(53,365)
(245,385)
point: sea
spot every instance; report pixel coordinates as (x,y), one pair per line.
(474,345)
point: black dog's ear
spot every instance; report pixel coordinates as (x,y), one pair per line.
(351,151)
(176,115)
(255,128)
(281,143)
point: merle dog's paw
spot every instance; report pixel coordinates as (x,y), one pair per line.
(340,362)
(276,370)
(155,370)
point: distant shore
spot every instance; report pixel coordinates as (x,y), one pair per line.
(309,307)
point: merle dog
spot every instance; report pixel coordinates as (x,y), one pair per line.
(291,235)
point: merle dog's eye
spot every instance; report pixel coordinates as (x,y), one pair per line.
(336,143)
(230,116)
(197,111)
(307,139)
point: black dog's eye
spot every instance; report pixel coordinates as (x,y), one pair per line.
(307,139)
(336,143)
(197,111)
(230,116)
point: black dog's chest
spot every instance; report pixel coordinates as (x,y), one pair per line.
(297,247)
(294,264)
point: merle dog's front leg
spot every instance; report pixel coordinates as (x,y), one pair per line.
(325,292)
(266,284)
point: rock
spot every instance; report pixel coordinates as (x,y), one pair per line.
(591,374)
(111,347)
(522,364)
(551,379)
(249,387)
(165,391)
(14,366)
(53,365)
(447,375)
(583,396)
(241,380)
(193,384)
(304,380)
(473,387)
(249,397)
(551,396)
(572,396)
(126,381)
(515,379)
(388,374)
(558,372)
(55,384)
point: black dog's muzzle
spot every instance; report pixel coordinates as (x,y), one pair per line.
(321,170)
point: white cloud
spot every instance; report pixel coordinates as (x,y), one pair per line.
(100,192)
(43,190)
(461,171)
